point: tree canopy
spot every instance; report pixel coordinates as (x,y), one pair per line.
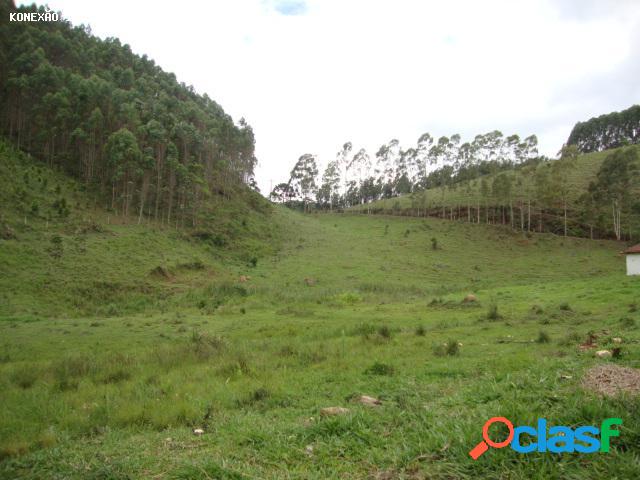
(612,130)
(116,120)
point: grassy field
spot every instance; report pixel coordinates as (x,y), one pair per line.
(110,381)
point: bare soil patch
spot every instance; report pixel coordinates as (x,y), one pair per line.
(610,380)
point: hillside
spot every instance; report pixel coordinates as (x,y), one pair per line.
(160,319)
(120,339)
(62,254)
(537,206)
(140,141)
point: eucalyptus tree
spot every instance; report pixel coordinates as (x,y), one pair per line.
(329,191)
(421,158)
(303,178)
(123,154)
(385,166)
(561,171)
(616,184)
(343,161)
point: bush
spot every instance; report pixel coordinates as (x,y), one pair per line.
(384,331)
(421,331)
(380,369)
(205,345)
(450,348)
(434,243)
(492,313)
(543,337)
(56,249)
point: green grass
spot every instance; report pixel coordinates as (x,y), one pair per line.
(109,382)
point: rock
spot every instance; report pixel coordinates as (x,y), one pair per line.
(310,282)
(617,340)
(471,298)
(367,400)
(566,377)
(332,411)
(603,354)
(308,450)
(198,431)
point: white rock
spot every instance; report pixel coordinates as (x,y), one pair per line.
(617,340)
(603,353)
(330,411)
(198,431)
(367,400)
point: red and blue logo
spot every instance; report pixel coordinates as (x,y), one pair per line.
(556,439)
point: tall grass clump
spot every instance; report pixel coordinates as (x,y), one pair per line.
(450,348)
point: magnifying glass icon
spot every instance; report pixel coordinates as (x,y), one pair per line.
(483,446)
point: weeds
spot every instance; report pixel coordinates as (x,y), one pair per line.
(380,369)
(543,337)
(449,348)
(492,313)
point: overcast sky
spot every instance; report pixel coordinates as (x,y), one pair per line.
(309,75)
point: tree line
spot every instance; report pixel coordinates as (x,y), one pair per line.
(612,130)
(354,177)
(493,179)
(147,143)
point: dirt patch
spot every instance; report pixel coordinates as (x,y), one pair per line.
(612,380)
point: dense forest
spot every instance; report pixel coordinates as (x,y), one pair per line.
(147,144)
(613,130)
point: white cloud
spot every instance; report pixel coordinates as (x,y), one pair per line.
(311,75)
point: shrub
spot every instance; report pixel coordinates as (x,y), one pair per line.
(543,337)
(384,331)
(434,243)
(205,345)
(450,348)
(492,313)
(56,249)
(380,369)
(421,331)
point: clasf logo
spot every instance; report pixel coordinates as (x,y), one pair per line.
(558,439)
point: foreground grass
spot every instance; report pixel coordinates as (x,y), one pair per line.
(117,394)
